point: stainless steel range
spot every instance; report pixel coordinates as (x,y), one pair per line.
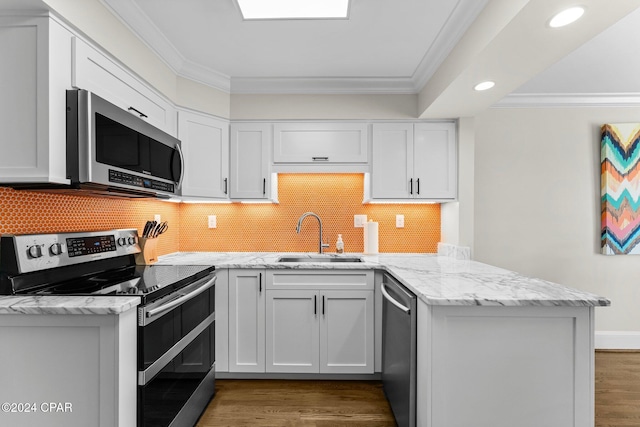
(176,378)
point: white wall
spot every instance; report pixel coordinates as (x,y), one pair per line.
(328,107)
(537,203)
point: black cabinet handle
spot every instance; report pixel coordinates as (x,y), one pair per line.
(320,159)
(323,305)
(225,185)
(264,186)
(315,305)
(140,113)
(260,283)
(418,182)
(411,186)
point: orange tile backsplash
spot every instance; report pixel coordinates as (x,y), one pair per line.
(26,212)
(241,227)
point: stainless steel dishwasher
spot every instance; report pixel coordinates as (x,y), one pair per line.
(399,350)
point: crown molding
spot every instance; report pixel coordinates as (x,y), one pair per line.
(460,19)
(139,24)
(550,100)
(322,85)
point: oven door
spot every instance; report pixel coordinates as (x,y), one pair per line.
(176,339)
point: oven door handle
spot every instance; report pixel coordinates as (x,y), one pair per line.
(184,298)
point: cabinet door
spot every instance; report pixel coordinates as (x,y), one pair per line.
(346,332)
(320,143)
(392,166)
(97,73)
(250,160)
(435,161)
(246,321)
(205,145)
(292,331)
(35,72)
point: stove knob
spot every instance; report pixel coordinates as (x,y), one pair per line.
(35,251)
(122,241)
(131,240)
(56,249)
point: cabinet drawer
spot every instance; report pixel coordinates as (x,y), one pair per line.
(320,143)
(320,279)
(97,73)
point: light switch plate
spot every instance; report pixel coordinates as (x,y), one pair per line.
(399,221)
(212,221)
(157,218)
(359,220)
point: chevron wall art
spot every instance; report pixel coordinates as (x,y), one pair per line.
(620,188)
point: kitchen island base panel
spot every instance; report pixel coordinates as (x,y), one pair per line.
(505,366)
(84,364)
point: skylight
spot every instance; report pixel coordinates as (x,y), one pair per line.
(294,9)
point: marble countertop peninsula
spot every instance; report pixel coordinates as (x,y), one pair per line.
(38,304)
(435,279)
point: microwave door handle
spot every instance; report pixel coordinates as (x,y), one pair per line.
(179,182)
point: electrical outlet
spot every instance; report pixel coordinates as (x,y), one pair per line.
(359,220)
(399,221)
(213,222)
(157,218)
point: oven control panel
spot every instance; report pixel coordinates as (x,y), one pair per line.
(34,252)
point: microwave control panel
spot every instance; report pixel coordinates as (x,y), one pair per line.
(139,181)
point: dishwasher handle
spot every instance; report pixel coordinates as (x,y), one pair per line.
(383,289)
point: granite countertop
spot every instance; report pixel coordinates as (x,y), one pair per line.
(39,304)
(435,279)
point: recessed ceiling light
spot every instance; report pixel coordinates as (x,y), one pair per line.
(484,85)
(294,9)
(566,17)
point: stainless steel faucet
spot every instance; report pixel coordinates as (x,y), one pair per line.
(321,245)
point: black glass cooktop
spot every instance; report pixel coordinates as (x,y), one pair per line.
(148,282)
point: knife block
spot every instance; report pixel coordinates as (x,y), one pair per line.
(148,254)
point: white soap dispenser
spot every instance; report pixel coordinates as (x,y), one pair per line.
(339,244)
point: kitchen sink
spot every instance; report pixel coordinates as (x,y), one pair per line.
(319,259)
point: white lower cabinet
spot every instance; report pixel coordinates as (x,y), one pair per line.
(246,321)
(313,328)
(292,331)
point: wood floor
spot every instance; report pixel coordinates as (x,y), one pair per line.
(362,403)
(617,389)
(298,403)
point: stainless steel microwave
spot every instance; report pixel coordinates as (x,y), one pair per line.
(113,152)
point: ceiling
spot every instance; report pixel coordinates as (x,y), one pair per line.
(603,70)
(384,46)
(437,49)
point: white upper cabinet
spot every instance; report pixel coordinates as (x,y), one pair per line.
(333,146)
(101,75)
(414,161)
(250,163)
(435,160)
(205,145)
(34,75)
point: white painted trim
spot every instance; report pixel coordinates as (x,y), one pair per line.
(323,85)
(549,100)
(460,19)
(617,340)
